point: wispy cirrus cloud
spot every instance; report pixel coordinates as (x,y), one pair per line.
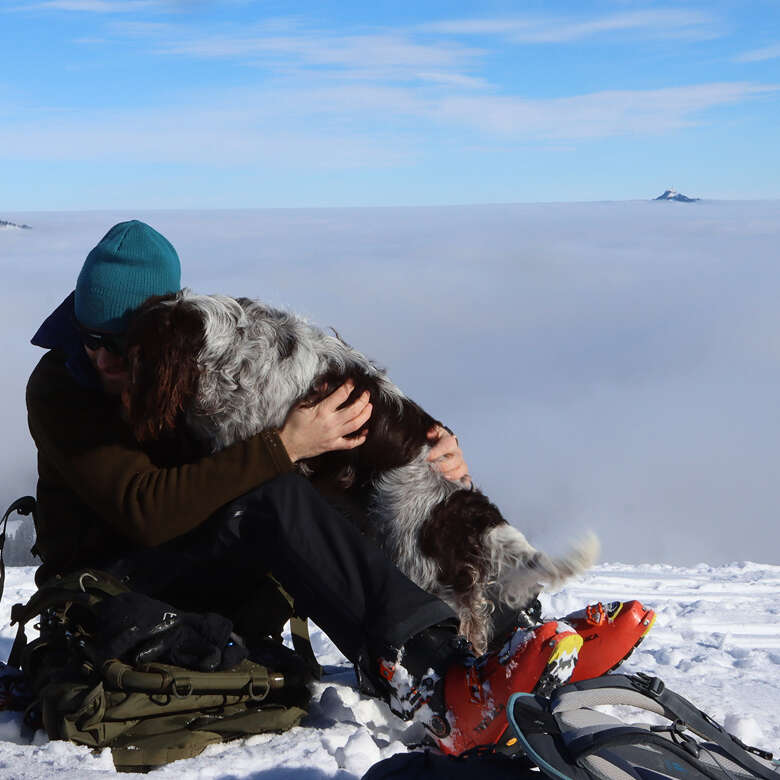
(290,50)
(363,97)
(601,114)
(322,125)
(312,48)
(247,127)
(454,79)
(426,53)
(93,6)
(142,29)
(668,23)
(760,55)
(604,114)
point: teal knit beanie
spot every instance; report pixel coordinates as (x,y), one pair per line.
(132,262)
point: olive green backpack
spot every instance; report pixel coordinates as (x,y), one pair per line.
(154,713)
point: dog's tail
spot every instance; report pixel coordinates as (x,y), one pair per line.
(521,571)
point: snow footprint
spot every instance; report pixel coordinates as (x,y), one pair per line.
(744,728)
(360,753)
(335,703)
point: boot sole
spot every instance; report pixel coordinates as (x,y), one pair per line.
(590,667)
(637,643)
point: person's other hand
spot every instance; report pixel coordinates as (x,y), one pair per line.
(312,430)
(447,456)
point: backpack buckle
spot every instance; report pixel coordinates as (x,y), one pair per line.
(644,683)
(594,613)
(85,575)
(181,688)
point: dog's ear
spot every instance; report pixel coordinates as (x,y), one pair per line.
(164,340)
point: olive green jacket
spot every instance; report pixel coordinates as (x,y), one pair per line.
(100,494)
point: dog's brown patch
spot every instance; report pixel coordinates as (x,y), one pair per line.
(395,435)
(454,537)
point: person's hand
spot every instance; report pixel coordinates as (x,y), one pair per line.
(447,456)
(312,430)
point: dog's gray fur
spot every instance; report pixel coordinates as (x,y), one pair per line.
(257,362)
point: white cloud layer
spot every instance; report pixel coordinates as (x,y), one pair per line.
(760,55)
(612,366)
(557,29)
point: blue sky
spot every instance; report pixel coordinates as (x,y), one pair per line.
(164,104)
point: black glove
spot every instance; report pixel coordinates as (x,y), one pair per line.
(129,619)
(138,629)
(203,642)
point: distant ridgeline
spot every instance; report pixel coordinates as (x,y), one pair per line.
(678,196)
(12,225)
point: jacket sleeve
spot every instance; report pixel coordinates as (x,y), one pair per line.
(82,436)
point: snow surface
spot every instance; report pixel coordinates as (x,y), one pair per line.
(716,641)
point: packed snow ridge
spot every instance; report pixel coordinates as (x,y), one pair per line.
(716,641)
(4,225)
(678,196)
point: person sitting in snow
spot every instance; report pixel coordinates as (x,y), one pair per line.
(202,531)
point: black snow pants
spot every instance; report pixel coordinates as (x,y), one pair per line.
(336,576)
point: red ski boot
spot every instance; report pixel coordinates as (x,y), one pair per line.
(610,632)
(466,708)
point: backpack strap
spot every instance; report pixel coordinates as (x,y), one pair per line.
(23,506)
(535,733)
(680,709)
(650,693)
(628,736)
(299,629)
(252,679)
(86,587)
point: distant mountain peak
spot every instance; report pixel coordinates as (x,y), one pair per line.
(678,196)
(4,225)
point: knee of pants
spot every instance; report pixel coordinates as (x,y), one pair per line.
(279,486)
(280,489)
(278,502)
(292,480)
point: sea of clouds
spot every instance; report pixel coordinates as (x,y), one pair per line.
(606,366)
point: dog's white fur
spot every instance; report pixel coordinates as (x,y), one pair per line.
(250,379)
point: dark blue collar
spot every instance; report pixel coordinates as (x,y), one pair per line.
(59,332)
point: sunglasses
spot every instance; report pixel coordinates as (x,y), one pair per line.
(116,345)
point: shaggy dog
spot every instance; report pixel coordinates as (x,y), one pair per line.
(225,369)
